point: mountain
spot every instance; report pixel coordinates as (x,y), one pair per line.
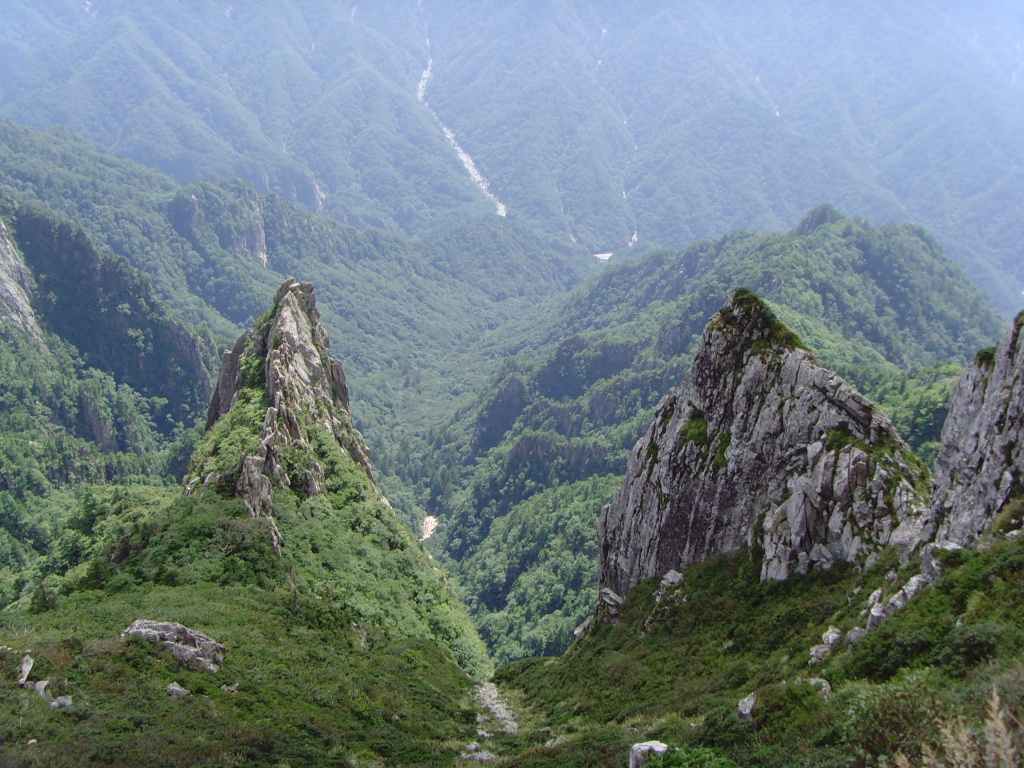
(584,122)
(405,314)
(277,609)
(101,381)
(760,446)
(558,422)
(829,605)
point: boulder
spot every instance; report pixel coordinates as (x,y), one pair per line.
(582,628)
(671,578)
(898,601)
(609,604)
(639,753)
(876,617)
(855,635)
(931,558)
(26,668)
(823,686)
(831,636)
(745,709)
(190,648)
(818,653)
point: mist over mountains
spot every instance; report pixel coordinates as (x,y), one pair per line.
(592,122)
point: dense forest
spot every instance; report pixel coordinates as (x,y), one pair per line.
(594,123)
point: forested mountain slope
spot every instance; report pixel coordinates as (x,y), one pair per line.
(398,309)
(100,384)
(593,122)
(677,122)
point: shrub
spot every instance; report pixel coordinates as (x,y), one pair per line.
(995,745)
(690,757)
(892,717)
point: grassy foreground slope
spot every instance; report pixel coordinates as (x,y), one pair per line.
(675,669)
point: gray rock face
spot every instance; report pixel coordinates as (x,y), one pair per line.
(760,445)
(15,286)
(980,467)
(745,708)
(26,668)
(190,648)
(855,635)
(640,753)
(307,391)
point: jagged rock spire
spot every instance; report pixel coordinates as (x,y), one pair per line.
(980,467)
(285,360)
(761,446)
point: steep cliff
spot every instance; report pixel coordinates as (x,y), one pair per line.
(762,446)
(109,312)
(980,468)
(287,405)
(15,285)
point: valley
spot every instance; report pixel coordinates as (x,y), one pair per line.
(305,352)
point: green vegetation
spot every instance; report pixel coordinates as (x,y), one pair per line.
(583,387)
(917,403)
(691,757)
(308,691)
(675,670)
(695,430)
(776,333)
(404,316)
(346,641)
(590,137)
(986,358)
(349,642)
(537,571)
(102,307)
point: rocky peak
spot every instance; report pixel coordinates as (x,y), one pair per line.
(282,371)
(760,445)
(15,288)
(980,467)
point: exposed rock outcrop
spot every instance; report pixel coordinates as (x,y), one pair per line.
(190,648)
(980,467)
(15,287)
(762,446)
(286,356)
(640,753)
